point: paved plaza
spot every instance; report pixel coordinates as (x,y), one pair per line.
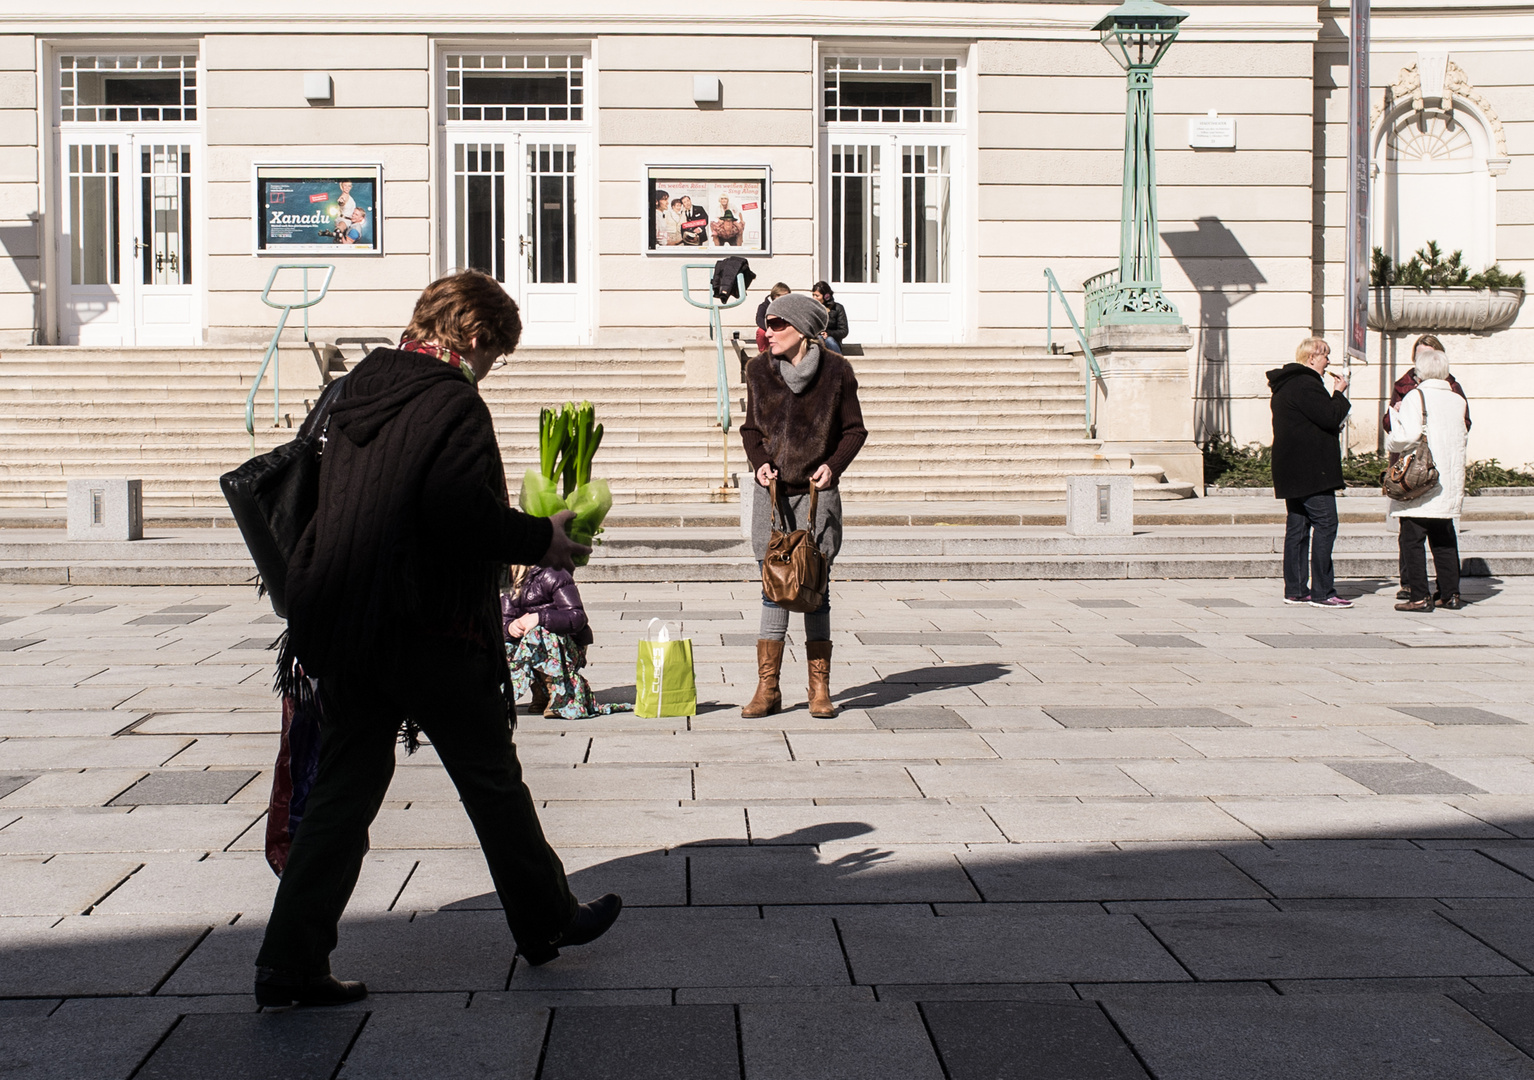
(1061,830)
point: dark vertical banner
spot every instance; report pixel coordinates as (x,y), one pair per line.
(1356,280)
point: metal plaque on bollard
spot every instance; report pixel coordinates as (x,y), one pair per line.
(1099,505)
(106,509)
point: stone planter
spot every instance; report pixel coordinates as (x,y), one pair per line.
(1479,310)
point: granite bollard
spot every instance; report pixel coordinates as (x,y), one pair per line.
(1099,505)
(110,509)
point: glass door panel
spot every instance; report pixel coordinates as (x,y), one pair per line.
(858,239)
(924,214)
(854,214)
(167,308)
(96,243)
(550,236)
(927,306)
(479,208)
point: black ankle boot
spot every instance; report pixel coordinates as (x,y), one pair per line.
(591,922)
(275,987)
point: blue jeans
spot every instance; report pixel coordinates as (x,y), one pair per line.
(1308,537)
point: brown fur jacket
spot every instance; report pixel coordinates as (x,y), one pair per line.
(798,433)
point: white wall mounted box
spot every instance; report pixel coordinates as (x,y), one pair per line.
(317,86)
(705,88)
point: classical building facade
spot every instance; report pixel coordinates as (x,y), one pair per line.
(928,158)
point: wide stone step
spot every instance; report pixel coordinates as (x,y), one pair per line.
(714,554)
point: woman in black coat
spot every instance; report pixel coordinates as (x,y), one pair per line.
(1307,470)
(394,623)
(836,316)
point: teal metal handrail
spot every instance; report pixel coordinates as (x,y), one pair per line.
(271,349)
(1089,413)
(716,329)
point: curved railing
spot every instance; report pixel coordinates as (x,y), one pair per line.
(1099,289)
(1051,288)
(716,331)
(271,349)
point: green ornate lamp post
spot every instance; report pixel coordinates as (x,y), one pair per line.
(1137,34)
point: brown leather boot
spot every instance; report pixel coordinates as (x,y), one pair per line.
(768,699)
(819,653)
(539,695)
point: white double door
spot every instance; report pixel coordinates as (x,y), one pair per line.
(127,239)
(518,209)
(891,203)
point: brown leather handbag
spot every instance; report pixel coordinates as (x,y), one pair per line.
(794,571)
(1414,473)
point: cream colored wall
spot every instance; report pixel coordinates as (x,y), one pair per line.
(21,315)
(256,111)
(1051,133)
(647,116)
(1497,370)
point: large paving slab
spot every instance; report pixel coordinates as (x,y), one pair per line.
(1361,1037)
(1061,829)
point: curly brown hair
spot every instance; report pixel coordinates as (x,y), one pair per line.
(465,309)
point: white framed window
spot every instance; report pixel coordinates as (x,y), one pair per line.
(153,88)
(515,88)
(891,89)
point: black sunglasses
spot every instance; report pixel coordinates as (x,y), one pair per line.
(775,323)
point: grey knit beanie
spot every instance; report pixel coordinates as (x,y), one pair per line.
(801,311)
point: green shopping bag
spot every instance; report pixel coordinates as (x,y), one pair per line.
(663,678)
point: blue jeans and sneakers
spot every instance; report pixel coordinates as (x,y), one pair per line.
(1309,534)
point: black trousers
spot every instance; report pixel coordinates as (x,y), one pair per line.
(455,697)
(1440,536)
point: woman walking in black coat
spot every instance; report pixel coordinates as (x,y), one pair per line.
(1307,470)
(803,427)
(393,608)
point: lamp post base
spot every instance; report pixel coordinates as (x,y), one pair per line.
(1145,397)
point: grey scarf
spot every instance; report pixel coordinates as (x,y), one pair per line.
(799,376)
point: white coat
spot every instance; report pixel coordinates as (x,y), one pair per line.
(1446,438)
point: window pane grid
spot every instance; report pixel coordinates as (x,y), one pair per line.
(551,213)
(500,87)
(479,205)
(844,74)
(924,176)
(854,214)
(118,89)
(165,173)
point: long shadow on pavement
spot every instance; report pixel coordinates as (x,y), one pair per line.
(816,953)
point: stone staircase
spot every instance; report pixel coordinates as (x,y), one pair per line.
(947,423)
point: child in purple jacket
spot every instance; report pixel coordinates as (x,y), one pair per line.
(547,633)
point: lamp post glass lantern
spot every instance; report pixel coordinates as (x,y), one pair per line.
(1137,35)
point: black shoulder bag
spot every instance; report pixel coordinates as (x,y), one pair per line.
(274,497)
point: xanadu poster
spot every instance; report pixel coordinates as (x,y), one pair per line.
(318,209)
(723,209)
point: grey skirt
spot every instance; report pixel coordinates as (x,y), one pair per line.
(792,511)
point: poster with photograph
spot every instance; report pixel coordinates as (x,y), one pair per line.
(722,209)
(329,209)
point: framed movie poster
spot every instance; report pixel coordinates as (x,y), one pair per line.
(723,209)
(319,209)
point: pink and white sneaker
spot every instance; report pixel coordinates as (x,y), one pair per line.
(1333,602)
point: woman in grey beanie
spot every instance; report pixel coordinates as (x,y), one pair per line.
(803,427)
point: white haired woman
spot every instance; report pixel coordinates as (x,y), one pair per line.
(1435,412)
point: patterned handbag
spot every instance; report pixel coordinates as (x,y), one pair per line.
(1414,473)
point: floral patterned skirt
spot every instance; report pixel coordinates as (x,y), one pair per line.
(558,660)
